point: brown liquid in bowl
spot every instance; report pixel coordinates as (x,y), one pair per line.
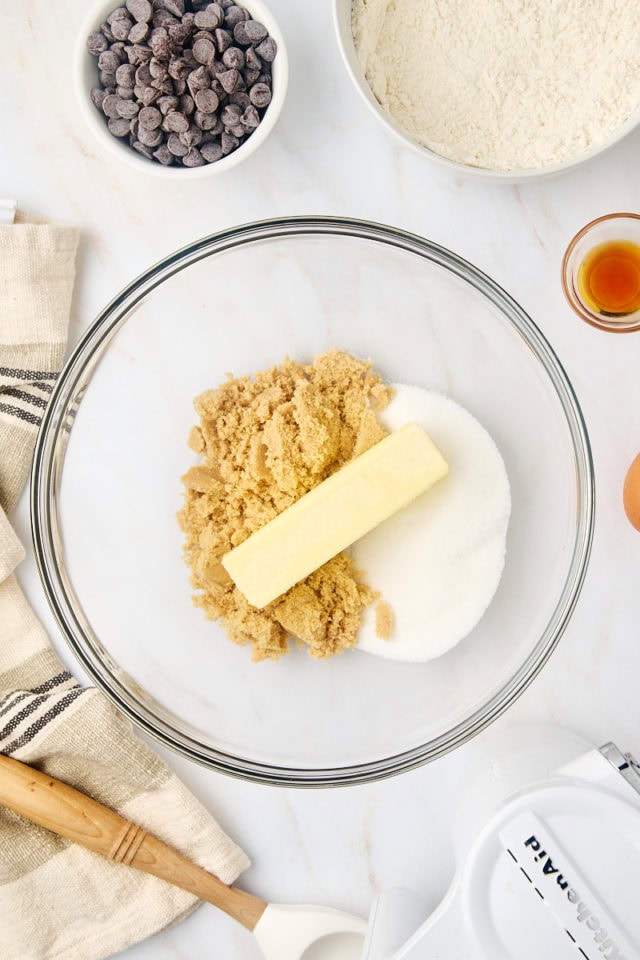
(609,278)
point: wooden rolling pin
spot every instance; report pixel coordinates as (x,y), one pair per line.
(73,815)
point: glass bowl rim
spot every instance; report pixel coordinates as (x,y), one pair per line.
(46,467)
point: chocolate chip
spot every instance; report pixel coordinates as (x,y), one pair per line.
(107,79)
(176,146)
(110,106)
(105,29)
(108,61)
(166,103)
(126,75)
(157,68)
(241,98)
(211,151)
(179,33)
(206,121)
(250,118)
(162,18)
(175,122)
(198,79)
(233,58)
(118,126)
(97,43)
(209,18)
(145,151)
(267,49)
(178,68)
(139,32)
(204,50)
(164,85)
(234,15)
(140,10)
(140,53)
(163,155)
(160,43)
(193,158)
(191,137)
(223,40)
(231,114)
(252,60)
(189,59)
(143,75)
(249,31)
(150,119)
(260,95)
(97,97)
(219,90)
(176,7)
(206,101)
(229,143)
(149,96)
(250,76)
(127,109)
(118,14)
(230,80)
(187,104)
(150,138)
(179,87)
(120,28)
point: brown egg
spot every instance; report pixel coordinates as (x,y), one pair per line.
(631,493)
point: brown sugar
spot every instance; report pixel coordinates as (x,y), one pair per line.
(265,442)
(384,620)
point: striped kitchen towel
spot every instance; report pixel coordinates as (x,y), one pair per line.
(58,900)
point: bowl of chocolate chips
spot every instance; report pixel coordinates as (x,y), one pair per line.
(181,88)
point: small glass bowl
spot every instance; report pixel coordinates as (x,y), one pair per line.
(613,226)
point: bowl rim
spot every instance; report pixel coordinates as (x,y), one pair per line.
(349,57)
(47,467)
(83,61)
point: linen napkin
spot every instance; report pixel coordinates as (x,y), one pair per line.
(57,900)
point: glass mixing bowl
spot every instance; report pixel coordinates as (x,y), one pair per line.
(113,446)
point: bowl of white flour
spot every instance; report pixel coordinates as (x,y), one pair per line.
(497,88)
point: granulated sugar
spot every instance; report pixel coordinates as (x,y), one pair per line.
(502,84)
(439,561)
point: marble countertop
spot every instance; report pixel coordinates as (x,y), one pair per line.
(328,155)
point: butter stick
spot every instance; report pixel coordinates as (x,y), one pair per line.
(335,514)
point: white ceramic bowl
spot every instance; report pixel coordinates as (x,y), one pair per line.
(86,76)
(342,23)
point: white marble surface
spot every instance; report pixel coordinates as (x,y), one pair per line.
(328,155)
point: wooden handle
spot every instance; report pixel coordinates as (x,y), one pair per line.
(73,815)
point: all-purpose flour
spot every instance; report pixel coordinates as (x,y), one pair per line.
(438,562)
(502,84)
